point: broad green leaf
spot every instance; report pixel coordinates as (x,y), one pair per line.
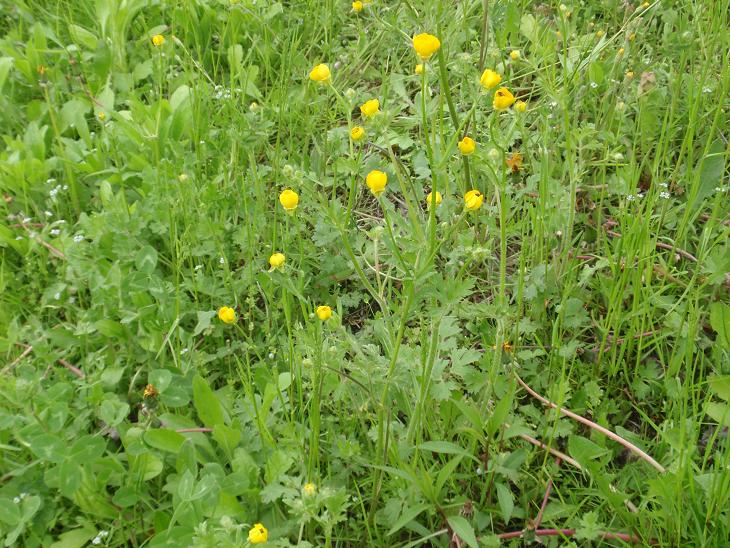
(720,386)
(165,440)
(5,64)
(206,403)
(445,447)
(76,538)
(583,449)
(720,412)
(720,322)
(463,529)
(506,501)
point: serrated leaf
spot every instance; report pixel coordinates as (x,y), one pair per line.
(506,501)
(463,529)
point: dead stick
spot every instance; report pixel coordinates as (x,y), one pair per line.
(570,533)
(605,431)
(186,430)
(75,370)
(548,490)
(16,361)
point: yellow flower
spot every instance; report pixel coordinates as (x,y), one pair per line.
(227,315)
(357,133)
(520,106)
(289,199)
(357,6)
(629,74)
(320,73)
(158,40)
(277,260)
(419,68)
(324,312)
(309,489)
(467,146)
(490,79)
(376,181)
(620,52)
(370,108)
(514,54)
(101,116)
(41,69)
(258,534)
(429,199)
(150,391)
(645,5)
(600,34)
(632,37)
(507,346)
(473,200)
(503,99)
(426,45)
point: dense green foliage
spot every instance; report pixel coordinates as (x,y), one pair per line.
(141,188)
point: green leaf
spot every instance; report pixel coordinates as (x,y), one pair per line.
(227,437)
(206,403)
(506,501)
(720,412)
(408,515)
(146,259)
(179,97)
(125,497)
(720,386)
(463,529)
(204,319)
(165,440)
(501,410)
(5,64)
(584,450)
(720,322)
(76,538)
(82,36)
(711,167)
(445,447)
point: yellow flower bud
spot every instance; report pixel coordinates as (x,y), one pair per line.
(289,199)
(370,108)
(227,315)
(490,79)
(429,199)
(321,74)
(376,181)
(473,200)
(520,106)
(600,34)
(357,6)
(419,68)
(503,99)
(620,52)
(258,534)
(467,146)
(101,115)
(309,489)
(426,45)
(277,260)
(514,54)
(629,74)
(158,40)
(357,133)
(324,312)
(150,391)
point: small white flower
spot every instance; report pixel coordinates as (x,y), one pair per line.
(20,237)
(720,189)
(50,181)
(55,231)
(664,185)
(222,260)
(337,65)
(103,534)
(706,90)
(184,351)
(640,195)
(65,187)
(16,500)
(79,238)
(479,471)
(664,195)
(72,300)
(630,198)
(198,267)
(48,213)
(271,355)
(96,541)
(57,296)
(594,85)
(26,220)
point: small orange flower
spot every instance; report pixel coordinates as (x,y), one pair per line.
(150,391)
(514,162)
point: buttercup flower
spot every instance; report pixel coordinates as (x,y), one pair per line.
(629,74)
(357,6)
(324,312)
(490,79)
(370,108)
(101,116)
(520,106)
(258,534)
(227,315)
(158,40)
(357,133)
(150,391)
(289,199)
(429,199)
(321,74)
(599,34)
(426,45)
(419,69)
(277,260)
(620,52)
(376,181)
(514,54)
(503,99)
(467,146)
(514,162)
(309,489)
(473,200)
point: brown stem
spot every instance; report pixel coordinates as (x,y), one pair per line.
(16,361)
(75,370)
(548,490)
(659,245)
(605,431)
(186,430)
(570,533)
